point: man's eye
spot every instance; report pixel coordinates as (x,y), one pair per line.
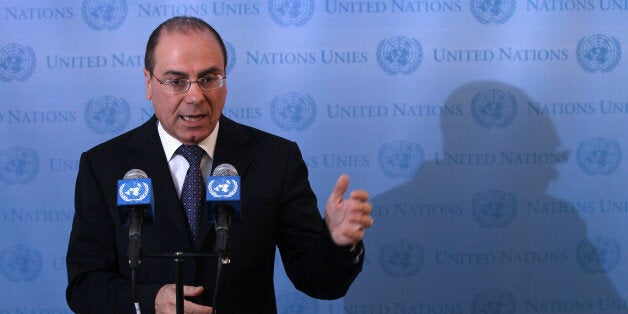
(206,79)
(177,82)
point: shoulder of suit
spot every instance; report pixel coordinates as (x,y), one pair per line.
(253,133)
(121,140)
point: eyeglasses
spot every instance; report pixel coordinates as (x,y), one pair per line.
(179,85)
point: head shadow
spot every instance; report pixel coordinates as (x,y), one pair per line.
(475,228)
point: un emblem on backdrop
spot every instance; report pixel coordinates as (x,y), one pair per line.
(494,301)
(401,258)
(294,302)
(107,114)
(487,11)
(401,159)
(598,254)
(291,12)
(598,53)
(18,165)
(494,208)
(16,62)
(494,108)
(399,55)
(20,263)
(104,14)
(231,57)
(293,111)
(599,156)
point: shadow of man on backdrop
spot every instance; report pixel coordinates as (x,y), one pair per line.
(474,231)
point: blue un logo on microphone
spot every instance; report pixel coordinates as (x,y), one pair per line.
(17,62)
(107,114)
(220,188)
(487,11)
(599,156)
(293,111)
(399,55)
(20,263)
(494,108)
(134,191)
(18,165)
(104,14)
(598,53)
(291,13)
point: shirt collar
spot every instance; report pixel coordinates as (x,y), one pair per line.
(171,144)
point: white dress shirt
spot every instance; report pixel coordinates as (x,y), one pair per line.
(178,164)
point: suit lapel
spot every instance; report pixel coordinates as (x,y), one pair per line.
(230,146)
(151,157)
(231,149)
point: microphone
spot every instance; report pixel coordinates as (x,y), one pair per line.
(223,201)
(135,199)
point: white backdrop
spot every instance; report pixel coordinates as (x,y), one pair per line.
(491,135)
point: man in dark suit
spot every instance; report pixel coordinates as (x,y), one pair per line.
(185,80)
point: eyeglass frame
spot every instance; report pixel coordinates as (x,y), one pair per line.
(219,77)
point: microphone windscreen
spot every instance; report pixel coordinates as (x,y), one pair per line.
(225,170)
(135,174)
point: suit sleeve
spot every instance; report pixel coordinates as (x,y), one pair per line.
(314,264)
(95,283)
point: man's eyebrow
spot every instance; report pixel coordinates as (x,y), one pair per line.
(176,73)
(212,70)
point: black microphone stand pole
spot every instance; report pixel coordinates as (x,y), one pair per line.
(222,231)
(178,258)
(222,259)
(136,217)
(178,274)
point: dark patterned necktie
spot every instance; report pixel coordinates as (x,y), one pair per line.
(193,192)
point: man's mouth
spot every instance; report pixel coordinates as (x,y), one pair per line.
(192,118)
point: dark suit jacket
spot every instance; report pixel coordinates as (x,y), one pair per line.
(279,209)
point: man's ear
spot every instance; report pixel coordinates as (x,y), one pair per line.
(149,91)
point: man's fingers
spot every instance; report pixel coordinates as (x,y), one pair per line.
(359,195)
(354,235)
(340,189)
(192,291)
(359,206)
(165,301)
(361,222)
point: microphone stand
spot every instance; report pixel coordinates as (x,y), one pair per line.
(136,217)
(223,220)
(178,272)
(136,303)
(222,229)
(222,259)
(178,258)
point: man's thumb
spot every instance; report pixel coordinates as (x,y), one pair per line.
(192,290)
(340,189)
